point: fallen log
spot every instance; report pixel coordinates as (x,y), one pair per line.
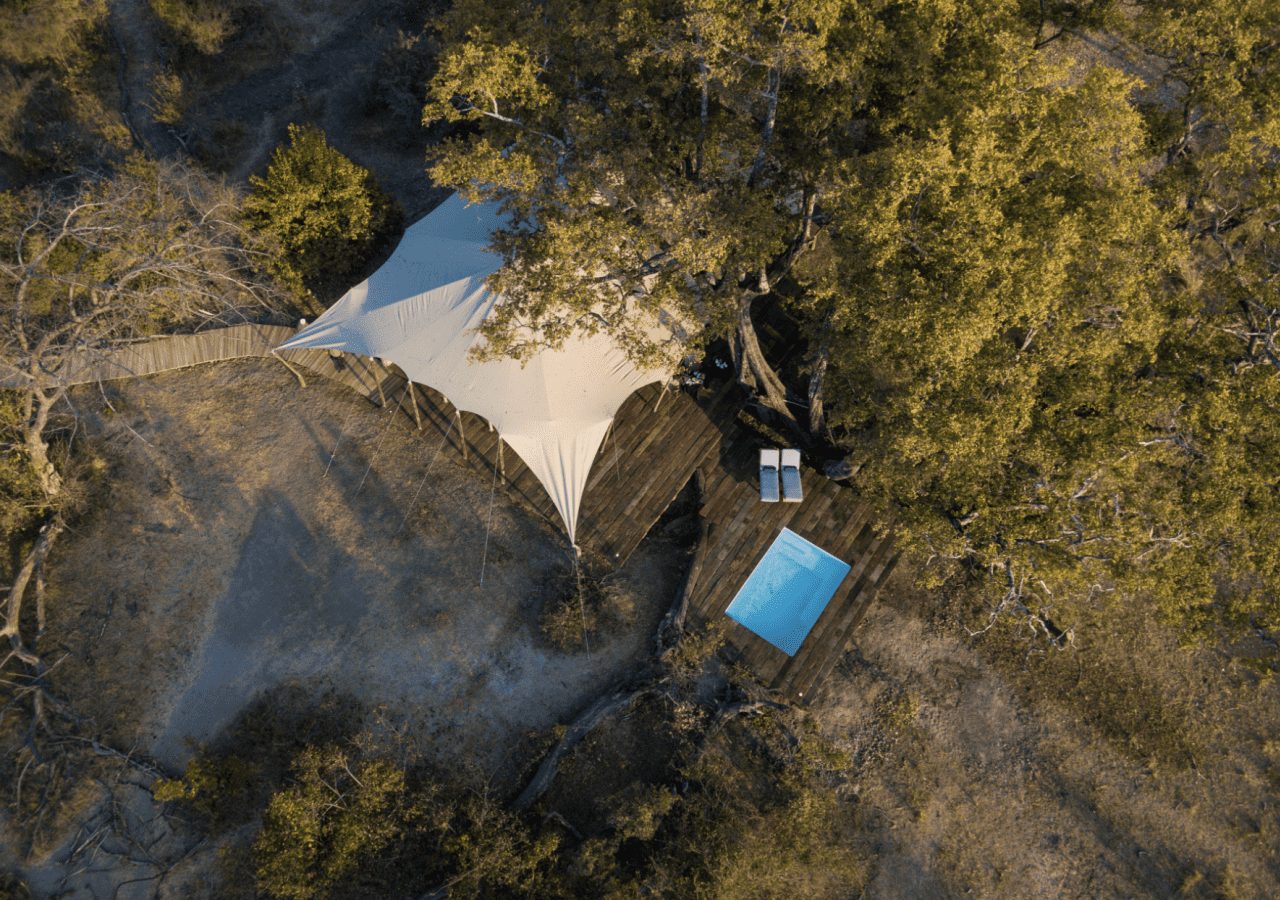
(581,727)
(671,628)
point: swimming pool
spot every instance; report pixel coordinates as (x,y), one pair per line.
(787,591)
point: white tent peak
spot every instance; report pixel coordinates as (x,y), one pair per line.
(421,310)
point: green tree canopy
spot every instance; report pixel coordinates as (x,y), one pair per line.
(326,212)
(1037,294)
(357,825)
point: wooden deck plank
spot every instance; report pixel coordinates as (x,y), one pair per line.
(832,516)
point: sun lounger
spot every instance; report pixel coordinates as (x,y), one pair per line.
(769,475)
(792,492)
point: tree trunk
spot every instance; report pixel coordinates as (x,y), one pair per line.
(818,376)
(773,86)
(817,384)
(671,628)
(30,565)
(38,449)
(582,726)
(754,371)
(704,110)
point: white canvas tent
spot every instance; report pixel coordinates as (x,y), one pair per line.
(420,311)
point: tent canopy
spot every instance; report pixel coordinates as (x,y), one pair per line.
(421,310)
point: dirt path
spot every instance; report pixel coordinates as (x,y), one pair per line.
(139,60)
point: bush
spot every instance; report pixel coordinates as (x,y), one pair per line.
(576,610)
(217,789)
(326,212)
(354,823)
(57,107)
(202,24)
(167,100)
(400,84)
(332,823)
(563,621)
(38,31)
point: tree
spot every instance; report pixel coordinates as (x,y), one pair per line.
(336,817)
(1004,323)
(326,212)
(672,158)
(1218,143)
(86,264)
(354,823)
(200,24)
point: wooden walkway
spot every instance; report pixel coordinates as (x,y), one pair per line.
(165,353)
(740,529)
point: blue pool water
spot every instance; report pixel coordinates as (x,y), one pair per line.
(787,591)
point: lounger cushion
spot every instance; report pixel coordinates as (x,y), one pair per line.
(769,466)
(792,491)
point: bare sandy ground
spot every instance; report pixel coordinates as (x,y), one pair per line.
(225,562)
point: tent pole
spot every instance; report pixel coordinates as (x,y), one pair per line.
(617,477)
(661,393)
(341,434)
(431,465)
(502,466)
(296,373)
(413,400)
(391,417)
(488,528)
(462,434)
(582,609)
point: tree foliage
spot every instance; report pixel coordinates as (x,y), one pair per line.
(749,809)
(1036,297)
(54,113)
(318,832)
(200,24)
(85,264)
(326,212)
(756,815)
(354,823)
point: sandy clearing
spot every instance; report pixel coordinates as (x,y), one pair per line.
(223,563)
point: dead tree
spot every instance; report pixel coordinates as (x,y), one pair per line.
(86,264)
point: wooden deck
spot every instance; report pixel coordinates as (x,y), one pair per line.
(740,529)
(657,442)
(655,447)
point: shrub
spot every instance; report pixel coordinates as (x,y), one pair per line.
(336,819)
(326,212)
(579,607)
(201,24)
(352,822)
(563,621)
(36,31)
(56,111)
(217,789)
(167,100)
